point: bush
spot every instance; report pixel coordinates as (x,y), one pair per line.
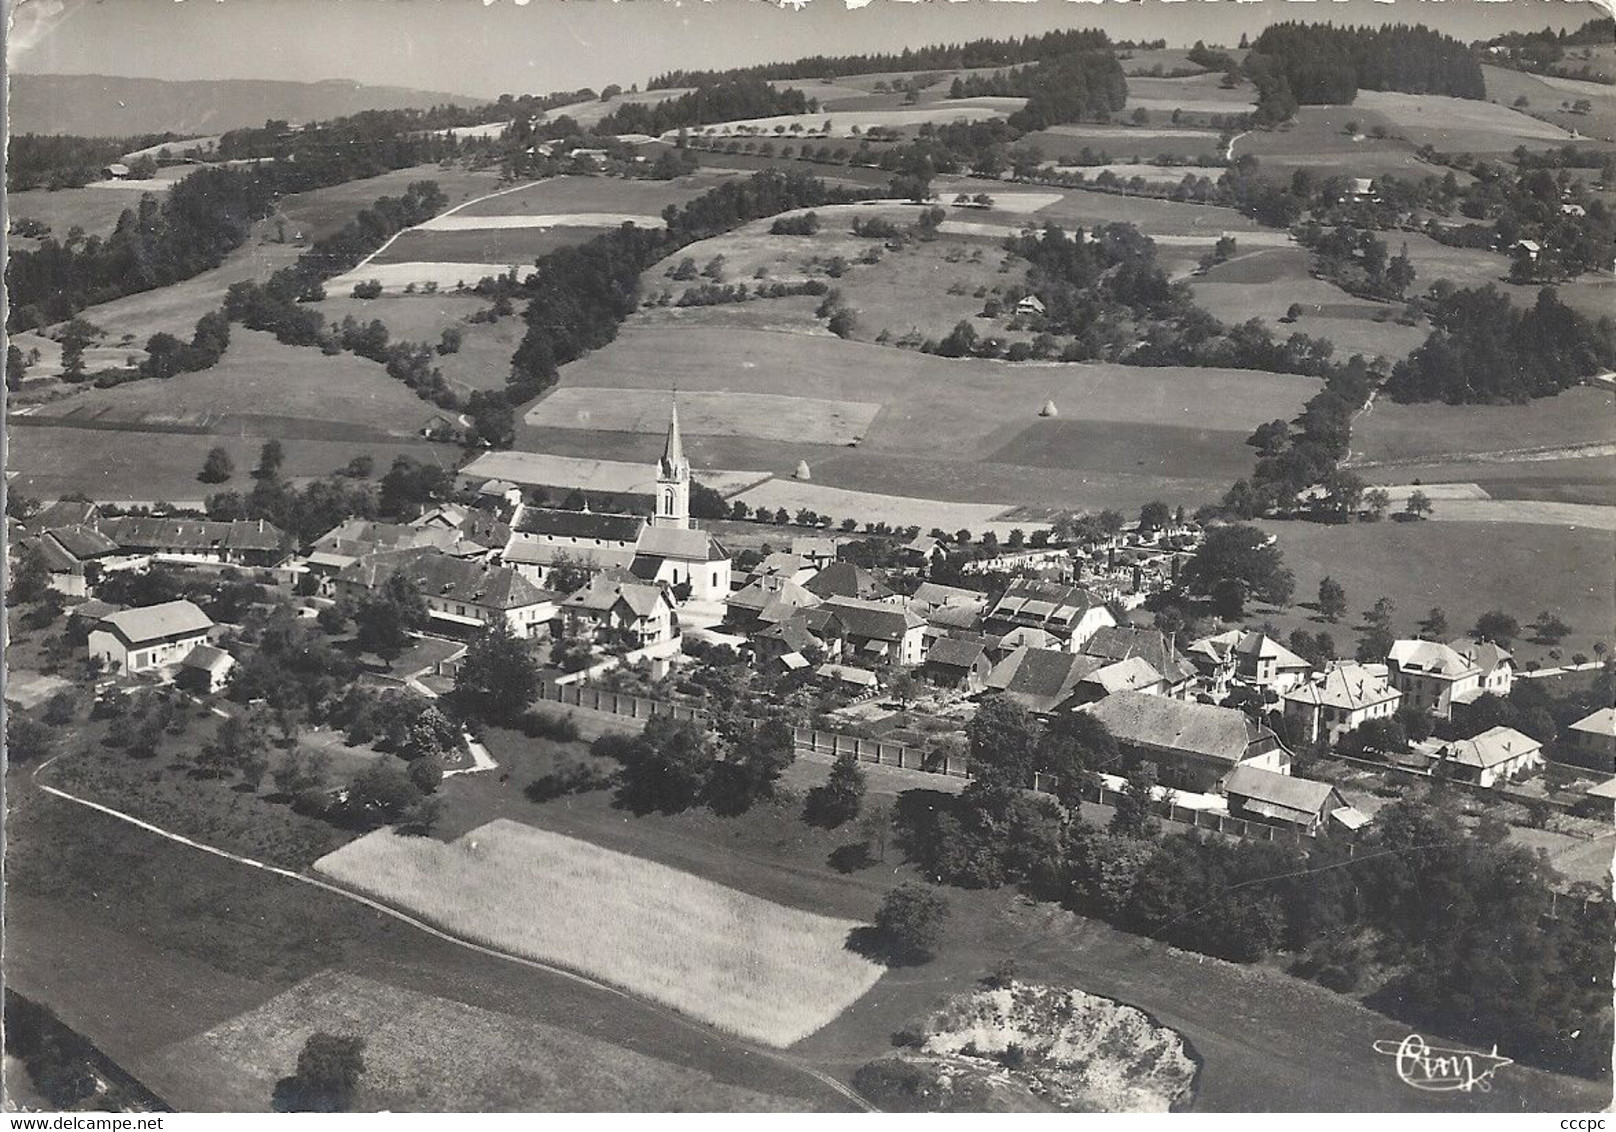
(538,724)
(910,922)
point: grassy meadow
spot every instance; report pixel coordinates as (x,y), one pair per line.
(750,967)
(1424,432)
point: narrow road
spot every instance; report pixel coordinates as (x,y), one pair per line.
(704,1033)
(1228,150)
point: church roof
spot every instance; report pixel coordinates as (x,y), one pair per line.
(682,543)
(558,523)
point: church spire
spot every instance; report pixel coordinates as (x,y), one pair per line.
(673,452)
(673,479)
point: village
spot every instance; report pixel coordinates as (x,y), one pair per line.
(1230,730)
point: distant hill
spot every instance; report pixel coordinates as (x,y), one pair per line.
(110,106)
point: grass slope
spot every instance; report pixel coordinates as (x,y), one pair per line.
(761,970)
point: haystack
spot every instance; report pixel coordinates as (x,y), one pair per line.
(802,472)
(1049,410)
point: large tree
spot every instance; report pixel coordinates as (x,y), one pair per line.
(1243,556)
(1002,737)
(328,1070)
(498,677)
(911,922)
(387,615)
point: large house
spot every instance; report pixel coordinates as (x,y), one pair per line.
(1433,676)
(1496,755)
(152,636)
(1261,795)
(1249,657)
(662,550)
(844,579)
(642,612)
(1193,746)
(1497,666)
(1155,648)
(876,632)
(1339,700)
(461,596)
(1071,614)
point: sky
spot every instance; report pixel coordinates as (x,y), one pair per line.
(487,47)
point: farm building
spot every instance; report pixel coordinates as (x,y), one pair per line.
(843,579)
(848,677)
(205,669)
(1496,755)
(1030,305)
(152,636)
(1592,739)
(1193,746)
(73,555)
(1136,642)
(1068,613)
(1282,799)
(243,542)
(956,663)
(819,551)
(876,632)
(1339,700)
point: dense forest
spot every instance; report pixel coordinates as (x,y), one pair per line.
(1325,64)
(579,295)
(943,57)
(719,102)
(1483,348)
(1067,88)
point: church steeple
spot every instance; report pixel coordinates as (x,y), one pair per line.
(673,479)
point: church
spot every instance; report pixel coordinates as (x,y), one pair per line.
(666,548)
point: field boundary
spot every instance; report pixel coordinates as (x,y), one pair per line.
(708,1032)
(449,212)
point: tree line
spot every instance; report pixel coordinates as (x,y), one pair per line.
(1064,88)
(942,57)
(66,161)
(743,97)
(1324,64)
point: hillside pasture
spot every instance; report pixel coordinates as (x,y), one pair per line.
(587,114)
(320,212)
(445,274)
(1458,124)
(843,123)
(96,210)
(568,194)
(1064,144)
(507,245)
(1427,432)
(1548,98)
(1197,94)
(198,145)
(1466,568)
(429,1053)
(764,416)
(1151,216)
(748,966)
(1318,140)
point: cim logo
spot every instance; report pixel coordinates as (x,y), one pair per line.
(1433,1069)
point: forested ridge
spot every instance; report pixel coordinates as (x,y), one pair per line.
(1325,64)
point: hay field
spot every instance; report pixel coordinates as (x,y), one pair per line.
(1151,216)
(596,194)
(322,211)
(1197,94)
(96,210)
(748,966)
(805,420)
(1545,95)
(499,244)
(1318,140)
(448,274)
(426,1053)
(618,477)
(1458,124)
(1422,432)
(842,122)
(870,507)
(463,223)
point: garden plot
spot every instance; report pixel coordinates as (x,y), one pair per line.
(746,965)
(804,420)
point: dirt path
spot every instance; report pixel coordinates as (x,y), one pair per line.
(703,1033)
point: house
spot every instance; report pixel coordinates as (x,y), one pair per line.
(1497,666)
(1531,249)
(789,638)
(461,595)
(205,669)
(816,550)
(242,542)
(1030,305)
(1071,614)
(767,601)
(923,550)
(784,564)
(1281,799)
(642,612)
(440,427)
(152,636)
(1132,674)
(876,632)
(1040,679)
(1339,700)
(1433,676)
(117,171)
(1257,659)
(63,513)
(1193,746)
(930,596)
(956,663)
(1497,755)
(1592,739)
(536,561)
(843,579)
(499,493)
(1124,642)
(848,678)
(1362,188)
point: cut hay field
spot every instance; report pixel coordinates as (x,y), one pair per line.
(1318,140)
(1197,94)
(504,244)
(1458,124)
(1064,143)
(428,1053)
(1426,433)
(871,507)
(748,966)
(484,358)
(1466,568)
(805,420)
(323,211)
(570,194)
(1151,216)
(446,274)
(617,477)
(1547,98)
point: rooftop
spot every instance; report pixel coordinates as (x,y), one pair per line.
(1157,721)
(159,622)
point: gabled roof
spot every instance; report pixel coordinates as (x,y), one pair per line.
(1493,746)
(759,595)
(62,513)
(558,523)
(682,543)
(1122,642)
(955,653)
(793,634)
(1027,637)
(874,620)
(1049,603)
(159,622)
(934,594)
(1135,674)
(1432,659)
(1486,655)
(450,579)
(81,542)
(1041,679)
(1284,792)
(603,594)
(1157,721)
(843,579)
(146,533)
(781,562)
(206,658)
(520,552)
(1345,685)
(955,616)
(847,674)
(815,546)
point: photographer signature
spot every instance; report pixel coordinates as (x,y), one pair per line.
(1434,1069)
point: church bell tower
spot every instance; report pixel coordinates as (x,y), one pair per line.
(673,480)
